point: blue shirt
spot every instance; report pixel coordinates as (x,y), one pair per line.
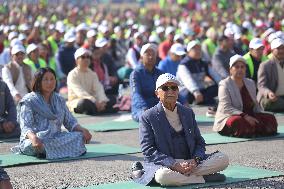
(168,65)
(143,85)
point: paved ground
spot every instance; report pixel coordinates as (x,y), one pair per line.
(267,154)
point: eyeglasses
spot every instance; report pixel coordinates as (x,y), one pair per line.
(166,88)
(85,57)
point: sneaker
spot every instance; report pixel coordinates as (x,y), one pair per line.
(211,112)
(137,170)
(216,177)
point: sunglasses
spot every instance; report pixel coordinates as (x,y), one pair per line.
(166,88)
(85,57)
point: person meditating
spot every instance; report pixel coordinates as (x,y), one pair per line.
(173,148)
(41,114)
(238,113)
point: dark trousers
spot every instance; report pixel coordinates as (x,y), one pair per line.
(237,126)
(86,106)
(208,93)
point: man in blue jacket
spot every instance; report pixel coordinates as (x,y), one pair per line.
(173,148)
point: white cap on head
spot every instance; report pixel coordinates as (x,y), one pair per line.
(255,43)
(82,26)
(142,29)
(166,78)
(137,34)
(31,48)
(12,35)
(18,48)
(24,27)
(80,52)
(267,32)
(160,29)
(22,36)
(69,37)
(117,29)
(146,47)
(154,39)
(280,34)
(91,33)
(15,41)
(178,37)
(169,29)
(276,43)
(235,59)
(177,49)
(271,37)
(135,26)
(60,27)
(101,42)
(103,28)
(192,44)
(228,32)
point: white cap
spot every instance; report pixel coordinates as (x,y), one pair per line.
(81,51)
(267,32)
(12,35)
(94,25)
(36,24)
(237,36)
(235,59)
(69,37)
(192,44)
(31,48)
(246,24)
(255,43)
(160,29)
(137,34)
(101,42)
(24,27)
(142,29)
(177,49)
(169,30)
(15,41)
(146,47)
(177,37)
(154,39)
(117,29)
(13,27)
(228,32)
(60,27)
(18,48)
(276,43)
(280,34)
(91,33)
(129,22)
(22,36)
(103,29)
(271,37)
(82,26)
(165,78)
(135,27)
(187,31)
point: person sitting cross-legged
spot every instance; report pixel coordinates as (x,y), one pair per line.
(41,114)
(86,94)
(238,113)
(9,128)
(173,148)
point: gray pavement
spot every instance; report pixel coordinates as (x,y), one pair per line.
(265,154)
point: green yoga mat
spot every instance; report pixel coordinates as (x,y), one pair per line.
(204,119)
(127,125)
(80,115)
(93,151)
(215,138)
(234,173)
(112,126)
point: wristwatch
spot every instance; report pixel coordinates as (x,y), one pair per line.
(197,160)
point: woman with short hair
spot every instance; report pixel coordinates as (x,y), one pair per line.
(238,113)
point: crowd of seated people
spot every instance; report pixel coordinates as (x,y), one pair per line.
(53,69)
